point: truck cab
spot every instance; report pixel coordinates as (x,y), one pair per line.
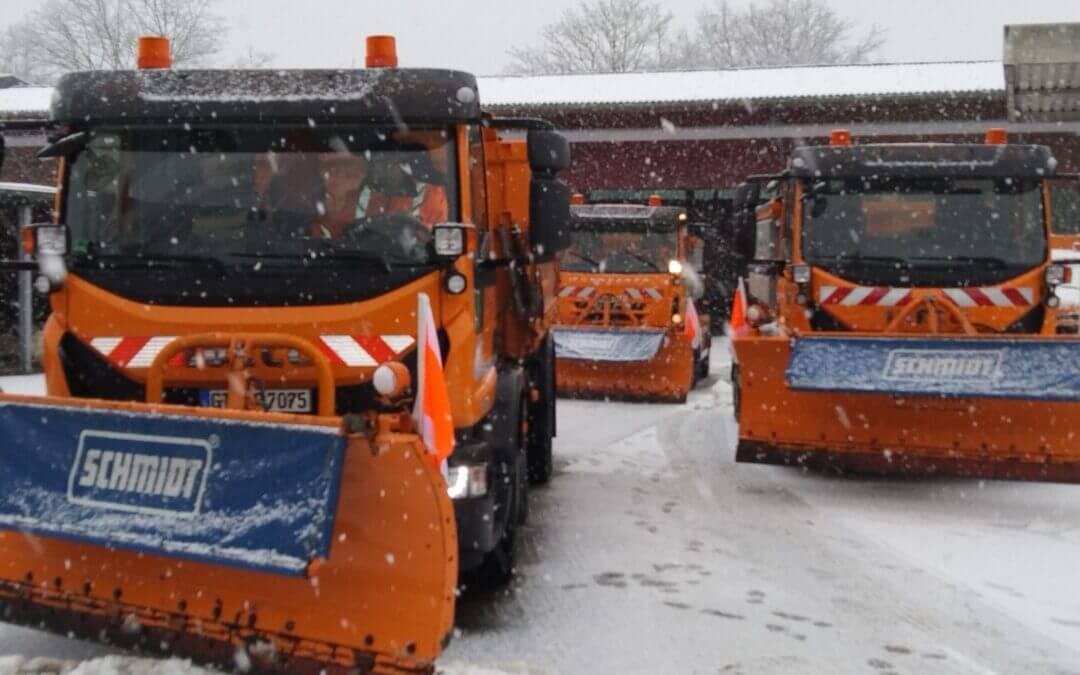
(904,312)
(318,204)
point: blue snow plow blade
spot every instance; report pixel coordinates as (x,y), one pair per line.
(240,493)
(605,344)
(950,367)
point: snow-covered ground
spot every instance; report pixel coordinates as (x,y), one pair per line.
(652,551)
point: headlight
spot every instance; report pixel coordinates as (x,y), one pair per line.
(466,480)
(456,284)
(45,239)
(391,379)
(1056,275)
(449,240)
(675,267)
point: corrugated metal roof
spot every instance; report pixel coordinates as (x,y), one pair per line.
(25,101)
(28,188)
(799,82)
(1042,72)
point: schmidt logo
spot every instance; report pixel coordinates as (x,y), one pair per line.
(162,475)
(951,365)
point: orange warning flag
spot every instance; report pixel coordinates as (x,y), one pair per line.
(693,324)
(432,408)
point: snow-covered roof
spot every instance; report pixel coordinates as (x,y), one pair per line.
(796,82)
(893,79)
(25,101)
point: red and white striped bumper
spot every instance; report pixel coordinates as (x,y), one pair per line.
(353,351)
(878,296)
(635,294)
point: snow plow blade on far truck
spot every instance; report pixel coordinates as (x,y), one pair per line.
(903,314)
(298,365)
(627,322)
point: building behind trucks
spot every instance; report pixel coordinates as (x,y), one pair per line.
(627,324)
(903,314)
(262,241)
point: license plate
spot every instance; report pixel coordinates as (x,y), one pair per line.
(274,400)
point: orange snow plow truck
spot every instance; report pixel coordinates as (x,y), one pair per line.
(903,314)
(627,325)
(229,465)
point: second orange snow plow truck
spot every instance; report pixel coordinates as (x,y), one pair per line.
(627,324)
(227,465)
(903,314)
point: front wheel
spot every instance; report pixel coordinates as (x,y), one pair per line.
(703,367)
(497,568)
(542,417)
(736,390)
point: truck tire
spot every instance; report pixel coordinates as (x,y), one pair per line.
(736,390)
(542,415)
(703,367)
(497,568)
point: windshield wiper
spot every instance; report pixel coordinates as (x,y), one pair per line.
(140,260)
(872,259)
(644,260)
(987,261)
(323,255)
(582,256)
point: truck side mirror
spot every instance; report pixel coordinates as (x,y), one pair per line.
(549,197)
(549,151)
(744,221)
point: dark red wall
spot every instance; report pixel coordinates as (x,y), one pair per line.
(724,163)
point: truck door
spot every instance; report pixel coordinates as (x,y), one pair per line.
(1064,201)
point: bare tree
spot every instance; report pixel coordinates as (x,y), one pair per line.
(254,59)
(68,35)
(195,31)
(16,57)
(610,36)
(779,33)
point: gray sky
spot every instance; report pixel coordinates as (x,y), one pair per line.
(474,34)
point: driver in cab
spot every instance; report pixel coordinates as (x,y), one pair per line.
(402,184)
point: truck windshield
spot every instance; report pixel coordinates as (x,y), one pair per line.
(614,247)
(290,193)
(973,230)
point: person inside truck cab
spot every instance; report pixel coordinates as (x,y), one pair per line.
(388,184)
(404,183)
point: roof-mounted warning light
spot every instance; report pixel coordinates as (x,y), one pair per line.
(997,136)
(840,137)
(154,53)
(381,51)
(654,200)
(577,199)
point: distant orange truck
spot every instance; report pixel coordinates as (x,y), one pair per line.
(627,325)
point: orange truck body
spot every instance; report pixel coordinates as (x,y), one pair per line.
(906,363)
(380,596)
(624,332)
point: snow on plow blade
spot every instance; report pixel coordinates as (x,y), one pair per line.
(271,543)
(978,368)
(972,407)
(617,346)
(624,363)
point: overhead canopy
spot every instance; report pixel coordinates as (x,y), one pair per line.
(917,160)
(632,212)
(383,95)
(1042,72)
